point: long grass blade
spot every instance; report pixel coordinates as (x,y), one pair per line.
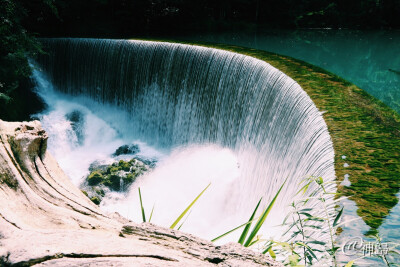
(271,253)
(151,214)
(247,228)
(304,188)
(261,221)
(141,206)
(337,217)
(188,208)
(180,226)
(268,247)
(348,221)
(233,230)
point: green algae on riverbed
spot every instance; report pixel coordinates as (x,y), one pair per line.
(362,128)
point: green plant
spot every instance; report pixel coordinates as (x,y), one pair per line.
(260,221)
(95,178)
(179,217)
(391,249)
(17,44)
(311,227)
(142,208)
(188,208)
(95,200)
(313,219)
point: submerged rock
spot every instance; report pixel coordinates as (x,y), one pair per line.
(97,165)
(47,221)
(77,120)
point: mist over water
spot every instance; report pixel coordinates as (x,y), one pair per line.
(206,115)
(94,137)
(174,184)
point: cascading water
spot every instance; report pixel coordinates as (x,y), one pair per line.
(220,117)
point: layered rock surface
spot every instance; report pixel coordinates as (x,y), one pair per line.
(46,221)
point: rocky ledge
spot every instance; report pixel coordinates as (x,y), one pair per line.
(46,221)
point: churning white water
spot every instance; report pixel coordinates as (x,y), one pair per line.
(91,136)
(176,181)
(206,115)
(180,175)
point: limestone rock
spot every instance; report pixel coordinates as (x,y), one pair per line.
(46,221)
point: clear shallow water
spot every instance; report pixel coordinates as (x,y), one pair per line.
(361,57)
(353,231)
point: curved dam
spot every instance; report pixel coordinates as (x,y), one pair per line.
(176,96)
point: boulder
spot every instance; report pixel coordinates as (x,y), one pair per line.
(126,150)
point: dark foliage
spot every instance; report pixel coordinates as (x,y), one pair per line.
(16,45)
(128,18)
(124,18)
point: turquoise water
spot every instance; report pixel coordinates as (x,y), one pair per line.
(364,58)
(369,59)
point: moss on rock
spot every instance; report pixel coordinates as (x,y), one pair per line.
(115,177)
(362,128)
(95,178)
(125,166)
(95,200)
(113,181)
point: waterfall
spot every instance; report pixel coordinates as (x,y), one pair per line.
(180,95)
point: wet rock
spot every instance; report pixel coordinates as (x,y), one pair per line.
(117,177)
(149,162)
(127,150)
(77,120)
(98,166)
(95,178)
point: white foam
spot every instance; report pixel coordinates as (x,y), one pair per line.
(173,94)
(175,183)
(178,178)
(100,138)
